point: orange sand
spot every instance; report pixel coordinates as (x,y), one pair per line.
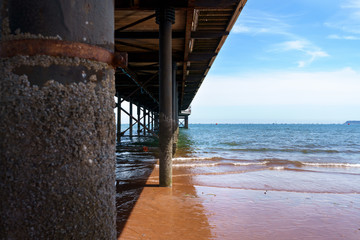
(190,211)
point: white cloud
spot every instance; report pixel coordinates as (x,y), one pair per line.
(348,17)
(340,88)
(258,22)
(311,51)
(351,4)
(342,37)
(241,29)
(293,45)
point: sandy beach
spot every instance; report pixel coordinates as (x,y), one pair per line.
(190,210)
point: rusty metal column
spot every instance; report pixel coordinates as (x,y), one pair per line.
(186,126)
(131,119)
(156,124)
(177,107)
(149,123)
(144,121)
(174,95)
(165,17)
(118,125)
(152,121)
(57,122)
(174,132)
(138,120)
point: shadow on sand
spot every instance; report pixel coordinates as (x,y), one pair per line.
(147,211)
(133,168)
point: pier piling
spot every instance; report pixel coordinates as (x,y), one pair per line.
(57,144)
(138,120)
(118,127)
(131,119)
(174,103)
(165,17)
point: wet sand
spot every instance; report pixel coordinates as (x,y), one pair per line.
(194,210)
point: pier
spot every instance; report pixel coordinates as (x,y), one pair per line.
(169,51)
(62,63)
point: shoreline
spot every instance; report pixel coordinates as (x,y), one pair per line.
(190,211)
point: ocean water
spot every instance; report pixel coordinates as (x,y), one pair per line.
(282,157)
(314,158)
(244,182)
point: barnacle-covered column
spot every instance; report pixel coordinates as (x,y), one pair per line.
(57,126)
(174,108)
(165,17)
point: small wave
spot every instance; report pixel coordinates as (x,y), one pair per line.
(344,165)
(185,159)
(271,163)
(274,162)
(305,151)
(282,162)
(278,168)
(195,165)
(249,163)
(219,164)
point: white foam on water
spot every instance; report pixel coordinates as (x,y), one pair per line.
(249,163)
(196,165)
(184,159)
(279,168)
(343,165)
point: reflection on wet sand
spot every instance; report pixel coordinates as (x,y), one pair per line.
(146,211)
(167,213)
(133,167)
(203,204)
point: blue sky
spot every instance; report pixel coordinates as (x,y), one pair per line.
(295,61)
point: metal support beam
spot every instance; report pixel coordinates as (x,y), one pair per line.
(144,121)
(118,125)
(149,123)
(118,42)
(174,100)
(144,35)
(146,4)
(123,133)
(188,46)
(152,121)
(144,127)
(174,68)
(131,119)
(165,17)
(134,23)
(138,121)
(144,57)
(133,77)
(156,122)
(186,125)
(143,85)
(177,105)
(175,35)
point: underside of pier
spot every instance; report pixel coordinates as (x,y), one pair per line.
(61,64)
(169,48)
(199,30)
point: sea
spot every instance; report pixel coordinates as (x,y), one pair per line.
(315,158)
(243,181)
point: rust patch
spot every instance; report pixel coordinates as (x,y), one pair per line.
(60,48)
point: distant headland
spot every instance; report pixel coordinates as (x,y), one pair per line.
(352,122)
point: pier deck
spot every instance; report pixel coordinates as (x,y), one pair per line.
(199,31)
